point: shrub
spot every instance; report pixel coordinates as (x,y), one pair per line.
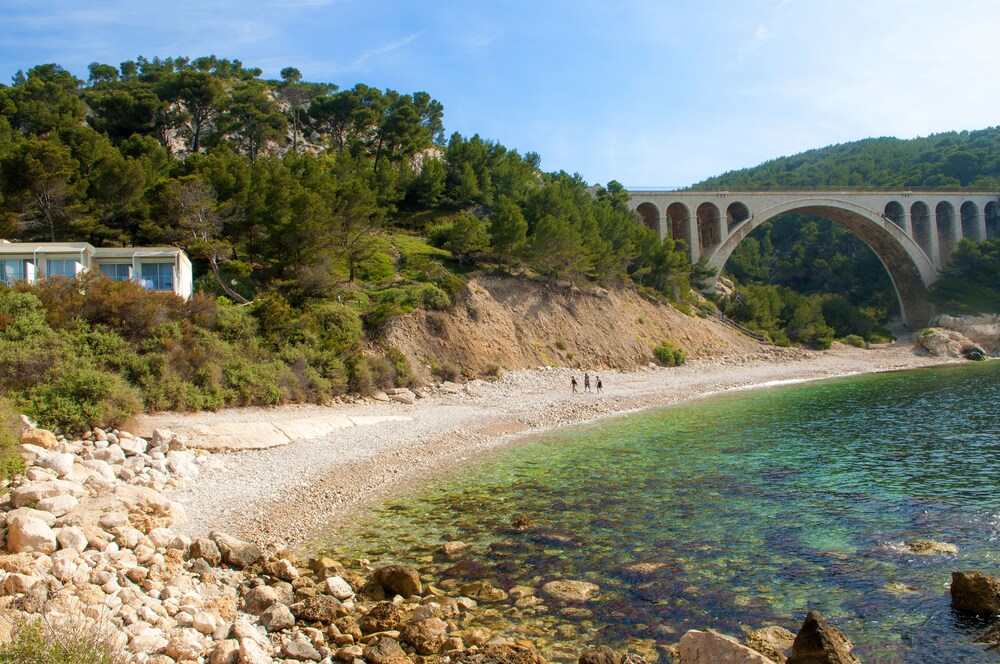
(447,371)
(72,640)
(561,345)
(669,354)
(81,395)
(494,371)
(437,324)
(404,373)
(10,461)
(855,340)
(434,298)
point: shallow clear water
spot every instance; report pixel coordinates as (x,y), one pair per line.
(753,508)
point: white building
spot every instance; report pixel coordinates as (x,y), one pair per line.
(156,268)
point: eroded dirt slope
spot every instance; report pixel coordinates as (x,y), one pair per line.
(515,324)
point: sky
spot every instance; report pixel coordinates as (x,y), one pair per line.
(650,93)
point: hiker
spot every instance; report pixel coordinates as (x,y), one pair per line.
(599,385)
(586,382)
(572,381)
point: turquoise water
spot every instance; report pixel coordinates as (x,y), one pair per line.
(751,508)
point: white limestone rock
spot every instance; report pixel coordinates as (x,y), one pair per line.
(27,534)
(47,517)
(338,587)
(72,537)
(61,463)
(58,505)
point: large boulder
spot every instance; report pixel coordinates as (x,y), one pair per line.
(711,647)
(27,534)
(940,342)
(772,642)
(426,636)
(600,655)
(973,592)
(394,580)
(385,650)
(276,618)
(981,330)
(820,643)
(40,437)
(34,492)
(380,618)
(321,608)
(205,549)
(235,552)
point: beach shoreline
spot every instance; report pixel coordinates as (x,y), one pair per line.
(287,496)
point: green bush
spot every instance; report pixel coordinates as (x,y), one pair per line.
(669,354)
(10,461)
(403,372)
(81,395)
(855,340)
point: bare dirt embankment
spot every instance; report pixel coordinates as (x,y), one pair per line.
(287,494)
(516,324)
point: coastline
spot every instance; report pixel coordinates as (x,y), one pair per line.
(284,496)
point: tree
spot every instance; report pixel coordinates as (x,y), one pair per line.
(556,249)
(196,222)
(40,181)
(201,95)
(508,231)
(252,118)
(468,238)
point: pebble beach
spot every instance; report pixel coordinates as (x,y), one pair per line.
(281,496)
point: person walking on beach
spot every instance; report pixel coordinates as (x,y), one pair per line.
(572,382)
(599,385)
(586,382)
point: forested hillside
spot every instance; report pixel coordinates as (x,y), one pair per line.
(325,211)
(957,159)
(807,280)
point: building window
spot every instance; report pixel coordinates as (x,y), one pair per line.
(61,268)
(158,276)
(12,270)
(117,271)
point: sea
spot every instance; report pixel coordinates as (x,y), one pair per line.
(732,512)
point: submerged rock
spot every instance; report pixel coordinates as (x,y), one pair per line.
(571,591)
(926,547)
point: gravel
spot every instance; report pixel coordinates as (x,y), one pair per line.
(281,497)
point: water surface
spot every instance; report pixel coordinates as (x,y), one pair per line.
(749,508)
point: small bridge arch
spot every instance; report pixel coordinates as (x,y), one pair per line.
(912,233)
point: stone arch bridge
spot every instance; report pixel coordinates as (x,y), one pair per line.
(912,232)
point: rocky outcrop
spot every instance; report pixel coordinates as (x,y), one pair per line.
(981,330)
(974,592)
(940,342)
(820,643)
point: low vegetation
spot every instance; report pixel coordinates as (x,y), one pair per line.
(669,354)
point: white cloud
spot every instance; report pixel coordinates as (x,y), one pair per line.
(763,34)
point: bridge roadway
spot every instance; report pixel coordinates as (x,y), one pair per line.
(912,232)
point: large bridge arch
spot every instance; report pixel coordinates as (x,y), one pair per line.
(908,266)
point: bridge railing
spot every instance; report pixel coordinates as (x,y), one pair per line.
(796,190)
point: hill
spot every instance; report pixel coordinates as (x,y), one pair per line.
(946,160)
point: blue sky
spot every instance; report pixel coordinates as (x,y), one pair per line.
(646,92)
